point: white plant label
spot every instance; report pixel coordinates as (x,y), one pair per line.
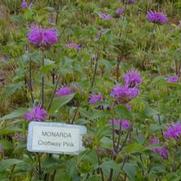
(51,137)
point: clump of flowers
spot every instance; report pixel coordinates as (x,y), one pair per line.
(173,131)
(130,89)
(105,16)
(124,94)
(132,78)
(131,1)
(95,98)
(125,124)
(119,11)
(172,79)
(42,37)
(64,91)
(161,150)
(73,45)
(36,114)
(157,17)
(24,4)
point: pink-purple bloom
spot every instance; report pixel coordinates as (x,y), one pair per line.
(119,11)
(105,16)
(24,4)
(125,124)
(73,45)
(123,94)
(95,98)
(36,114)
(131,1)
(173,79)
(132,78)
(162,151)
(42,37)
(157,17)
(64,91)
(173,131)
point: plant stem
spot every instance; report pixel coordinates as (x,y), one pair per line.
(95,70)
(119,137)
(42,82)
(53,93)
(159,120)
(111,175)
(39,166)
(117,69)
(75,114)
(11,173)
(124,142)
(113,135)
(100,169)
(30,82)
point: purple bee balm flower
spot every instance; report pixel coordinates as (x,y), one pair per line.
(95,98)
(131,1)
(105,16)
(42,37)
(132,78)
(125,124)
(24,4)
(157,17)
(173,131)
(36,114)
(118,122)
(162,151)
(173,79)
(120,11)
(64,91)
(124,94)
(73,45)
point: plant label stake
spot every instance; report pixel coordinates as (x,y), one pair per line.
(51,137)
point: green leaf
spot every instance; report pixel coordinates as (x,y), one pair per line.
(15,114)
(5,164)
(59,102)
(130,170)
(122,112)
(108,165)
(134,148)
(12,88)
(94,178)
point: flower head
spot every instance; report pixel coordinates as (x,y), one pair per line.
(131,1)
(24,4)
(64,91)
(42,37)
(36,114)
(125,124)
(173,79)
(162,151)
(105,16)
(119,11)
(95,98)
(173,131)
(124,94)
(73,45)
(119,122)
(132,78)
(157,17)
